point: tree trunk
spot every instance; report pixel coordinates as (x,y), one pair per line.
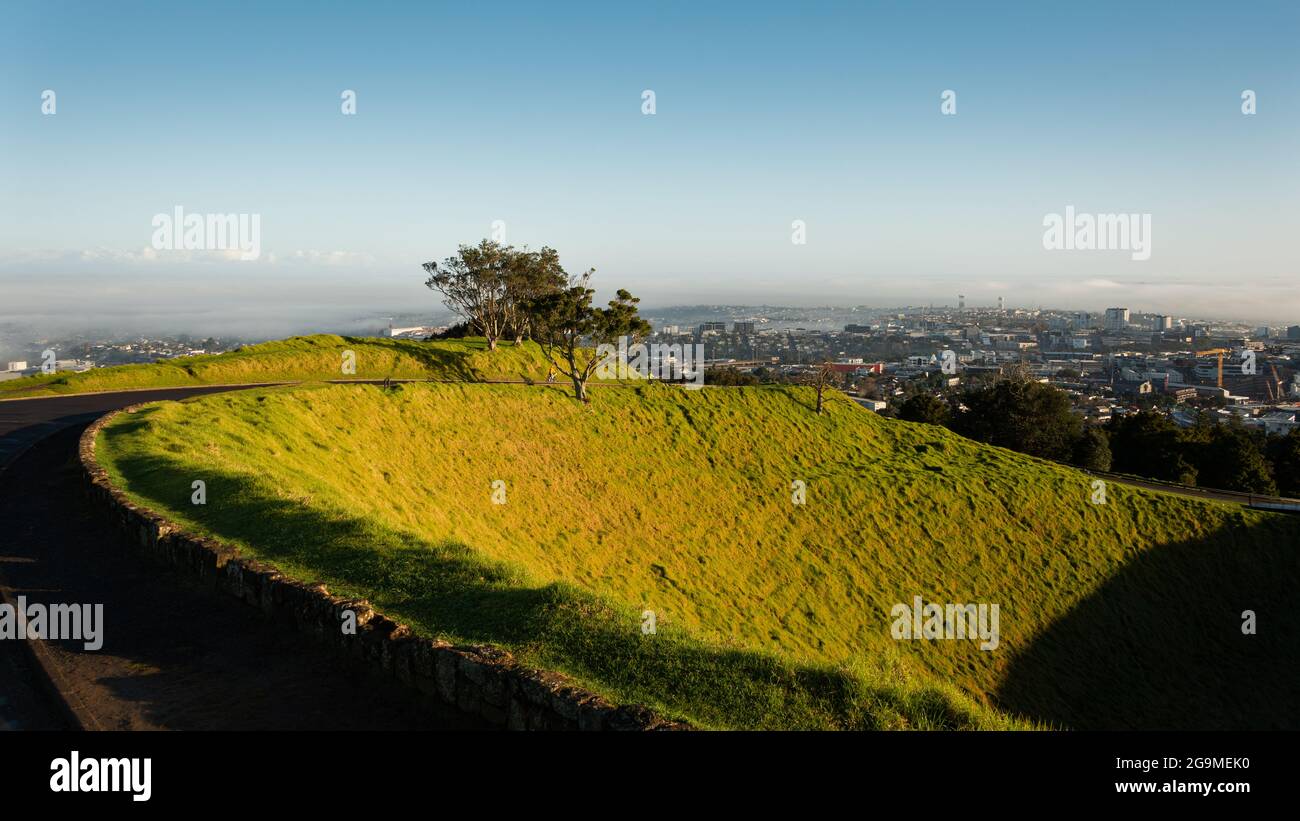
(492,343)
(578,376)
(820,388)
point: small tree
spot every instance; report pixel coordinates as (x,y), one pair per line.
(563,319)
(820,378)
(475,286)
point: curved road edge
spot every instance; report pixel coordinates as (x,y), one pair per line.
(34,697)
(174,656)
(483,682)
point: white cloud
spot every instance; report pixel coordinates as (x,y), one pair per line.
(119,257)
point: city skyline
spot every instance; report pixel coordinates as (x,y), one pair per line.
(255,325)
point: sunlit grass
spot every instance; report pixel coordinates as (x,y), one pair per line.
(304,358)
(770,614)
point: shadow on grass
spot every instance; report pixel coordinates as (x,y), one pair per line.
(447,589)
(176,654)
(1160,645)
(444,363)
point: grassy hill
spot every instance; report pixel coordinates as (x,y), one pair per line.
(302,358)
(769,614)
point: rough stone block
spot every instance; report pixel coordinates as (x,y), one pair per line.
(518,716)
(479,680)
(445,660)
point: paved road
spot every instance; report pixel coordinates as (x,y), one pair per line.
(23,422)
(1277,503)
(175,656)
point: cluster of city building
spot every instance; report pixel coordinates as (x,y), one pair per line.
(1111,362)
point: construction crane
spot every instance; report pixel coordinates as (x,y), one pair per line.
(1212,352)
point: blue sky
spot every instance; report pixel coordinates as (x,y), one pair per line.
(531,114)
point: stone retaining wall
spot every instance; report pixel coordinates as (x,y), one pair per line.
(477,680)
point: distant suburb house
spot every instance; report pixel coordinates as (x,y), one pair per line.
(1134,389)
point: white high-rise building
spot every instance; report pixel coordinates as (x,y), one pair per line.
(1116,319)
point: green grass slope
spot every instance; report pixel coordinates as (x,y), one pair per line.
(303,358)
(769,614)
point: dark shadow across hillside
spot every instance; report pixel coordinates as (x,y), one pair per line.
(1160,645)
(450,590)
(445,363)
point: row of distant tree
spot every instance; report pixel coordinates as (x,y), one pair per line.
(503,292)
(1037,419)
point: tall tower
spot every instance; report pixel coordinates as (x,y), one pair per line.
(961,303)
(1002,309)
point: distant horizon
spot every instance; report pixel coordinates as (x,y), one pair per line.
(867,153)
(356,320)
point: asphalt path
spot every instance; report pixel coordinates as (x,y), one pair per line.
(174,655)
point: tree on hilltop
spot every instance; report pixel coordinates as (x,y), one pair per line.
(820,378)
(475,286)
(530,276)
(490,285)
(564,318)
